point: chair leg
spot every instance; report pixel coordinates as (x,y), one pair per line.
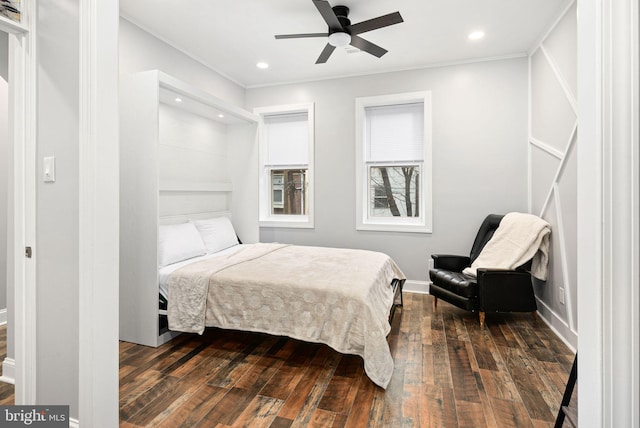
(535,316)
(435,302)
(481,319)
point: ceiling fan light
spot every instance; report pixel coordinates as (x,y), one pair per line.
(339,39)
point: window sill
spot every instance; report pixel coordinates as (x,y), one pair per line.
(404,228)
(287,223)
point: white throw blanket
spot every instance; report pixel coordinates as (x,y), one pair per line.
(519,238)
(339,297)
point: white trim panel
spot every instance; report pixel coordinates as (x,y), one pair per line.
(561,80)
(563,162)
(556,84)
(566,283)
(547,148)
(8,371)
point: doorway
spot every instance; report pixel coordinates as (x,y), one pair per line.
(5,167)
(18,203)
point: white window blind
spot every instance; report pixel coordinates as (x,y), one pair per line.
(395,133)
(287,139)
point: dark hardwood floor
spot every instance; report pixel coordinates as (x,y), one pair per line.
(448,372)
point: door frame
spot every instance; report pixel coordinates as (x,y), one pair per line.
(98,209)
(99,214)
(608,212)
(22,133)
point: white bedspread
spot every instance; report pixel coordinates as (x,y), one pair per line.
(334,296)
(164,273)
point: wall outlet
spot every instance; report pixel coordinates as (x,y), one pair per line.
(561,292)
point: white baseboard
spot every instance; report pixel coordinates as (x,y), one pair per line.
(419,287)
(3,316)
(558,325)
(8,371)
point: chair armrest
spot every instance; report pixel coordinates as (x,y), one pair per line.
(505,290)
(450,262)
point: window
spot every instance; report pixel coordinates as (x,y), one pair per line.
(286,163)
(393,162)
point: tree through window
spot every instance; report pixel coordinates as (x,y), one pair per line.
(396,191)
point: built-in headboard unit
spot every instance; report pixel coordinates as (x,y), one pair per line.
(183,218)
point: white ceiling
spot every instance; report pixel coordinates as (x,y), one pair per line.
(231,36)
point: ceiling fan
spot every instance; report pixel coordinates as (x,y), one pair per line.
(342,33)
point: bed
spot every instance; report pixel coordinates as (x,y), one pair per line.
(343,298)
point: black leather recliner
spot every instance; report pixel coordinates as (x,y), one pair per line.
(494,290)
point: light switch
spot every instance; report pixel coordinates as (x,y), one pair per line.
(50,169)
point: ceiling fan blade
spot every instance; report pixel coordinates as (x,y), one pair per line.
(367,46)
(326,53)
(328,14)
(300,36)
(375,23)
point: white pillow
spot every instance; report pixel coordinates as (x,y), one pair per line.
(217,233)
(178,242)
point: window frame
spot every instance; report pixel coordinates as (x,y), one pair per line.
(266,218)
(364,221)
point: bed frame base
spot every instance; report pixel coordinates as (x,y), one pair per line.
(397,285)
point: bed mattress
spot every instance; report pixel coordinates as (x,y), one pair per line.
(339,297)
(165,272)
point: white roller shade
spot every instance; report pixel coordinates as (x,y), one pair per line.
(395,133)
(287,139)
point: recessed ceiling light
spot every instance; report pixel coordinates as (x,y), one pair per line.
(476,35)
(178,99)
(262,65)
(221,115)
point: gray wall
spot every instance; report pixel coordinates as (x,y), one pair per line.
(141,51)
(553,168)
(57,232)
(479,155)
(4,166)
(479,138)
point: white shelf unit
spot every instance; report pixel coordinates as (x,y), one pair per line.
(192,158)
